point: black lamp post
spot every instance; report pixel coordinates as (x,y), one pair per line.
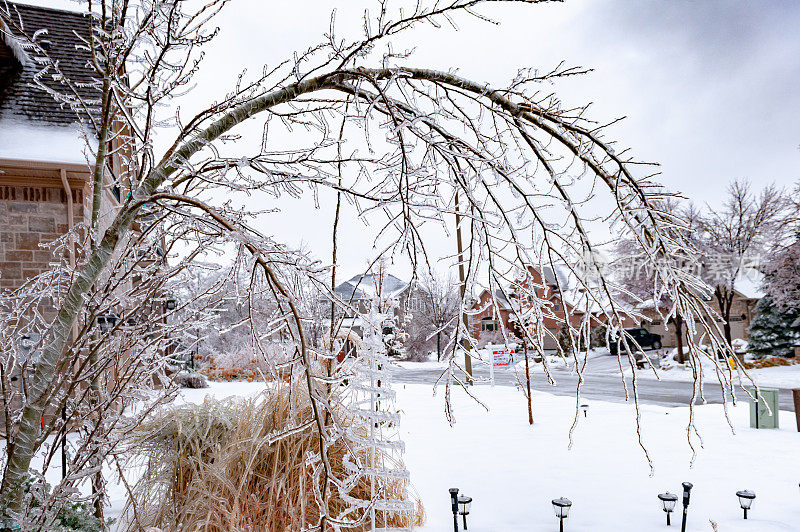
(464,503)
(561,507)
(668,501)
(584,409)
(746,498)
(454,507)
(687,488)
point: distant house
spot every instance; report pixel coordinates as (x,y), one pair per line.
(361,290)
(553,285)
(746,293)
(45,179)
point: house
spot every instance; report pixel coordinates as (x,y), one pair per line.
(361,290)
(554,285)
(746,293)
(45,172)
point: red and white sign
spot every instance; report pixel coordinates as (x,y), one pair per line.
(502,357)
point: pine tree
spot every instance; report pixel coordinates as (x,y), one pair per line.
(773,331)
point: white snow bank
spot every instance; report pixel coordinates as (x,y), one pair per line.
(30,141)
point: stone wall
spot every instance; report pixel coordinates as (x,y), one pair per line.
(29,218)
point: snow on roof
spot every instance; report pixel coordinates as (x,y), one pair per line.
(561,273)
(574,290)
(647,304)
(55,5)
(748,283)
(501,299)
(367,286)
(28,140)
(351,322)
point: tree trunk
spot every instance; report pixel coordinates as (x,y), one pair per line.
(725,301)
(438,347)
(463,285)
(16,472)
(97,479)
(678,322)
(726,328)
(528,382)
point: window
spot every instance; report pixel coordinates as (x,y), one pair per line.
(656,322)
(488,324)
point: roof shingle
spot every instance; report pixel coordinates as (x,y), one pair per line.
(23,98)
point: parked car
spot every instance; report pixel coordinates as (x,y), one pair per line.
(643,337)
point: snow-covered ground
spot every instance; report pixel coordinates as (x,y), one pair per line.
(513,470)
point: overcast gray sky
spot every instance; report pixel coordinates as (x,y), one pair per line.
(710,89)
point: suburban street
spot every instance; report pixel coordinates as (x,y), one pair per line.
(598,384)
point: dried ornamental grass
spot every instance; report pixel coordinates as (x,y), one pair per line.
(770,362)
(217,466)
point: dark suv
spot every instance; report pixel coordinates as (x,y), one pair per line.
(642,336)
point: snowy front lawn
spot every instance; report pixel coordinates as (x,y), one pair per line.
(513,470)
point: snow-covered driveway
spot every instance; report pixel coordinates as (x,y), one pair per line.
(602,386)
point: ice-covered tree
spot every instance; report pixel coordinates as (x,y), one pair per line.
(403,144)
(730,236)
(782,281)
(434,318)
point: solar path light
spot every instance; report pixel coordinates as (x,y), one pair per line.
(464,503)
(561,507)
(668,501)
(746,498)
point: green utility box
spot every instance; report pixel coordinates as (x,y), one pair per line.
(762,417)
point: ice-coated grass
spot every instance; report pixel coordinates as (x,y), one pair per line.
(244,464)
